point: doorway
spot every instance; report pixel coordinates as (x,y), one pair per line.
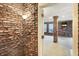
(64,44)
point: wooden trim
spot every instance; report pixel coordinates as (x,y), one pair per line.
(75,29)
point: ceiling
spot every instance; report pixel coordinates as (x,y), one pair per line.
(63,10)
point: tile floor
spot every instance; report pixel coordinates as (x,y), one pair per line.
(62,48)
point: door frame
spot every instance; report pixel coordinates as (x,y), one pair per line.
(74,29)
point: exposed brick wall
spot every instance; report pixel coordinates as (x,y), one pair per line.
(31,32)
(16,39)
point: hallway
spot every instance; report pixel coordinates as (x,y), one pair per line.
(63,47)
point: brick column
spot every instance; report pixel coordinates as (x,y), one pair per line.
(55,29)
